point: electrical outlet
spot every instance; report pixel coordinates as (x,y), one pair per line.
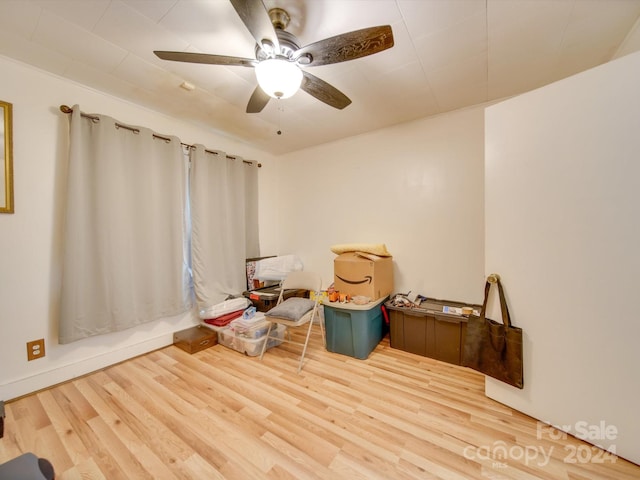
(35,349)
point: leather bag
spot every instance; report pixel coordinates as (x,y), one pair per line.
(491,347)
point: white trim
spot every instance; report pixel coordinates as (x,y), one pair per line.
(33,383)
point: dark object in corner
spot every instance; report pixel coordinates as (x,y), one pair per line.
(27,467)
(1,419)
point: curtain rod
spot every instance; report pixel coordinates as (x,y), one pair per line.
(67,109)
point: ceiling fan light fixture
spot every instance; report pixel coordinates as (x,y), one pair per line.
(278,78)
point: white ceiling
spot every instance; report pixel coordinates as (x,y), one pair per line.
(448,54)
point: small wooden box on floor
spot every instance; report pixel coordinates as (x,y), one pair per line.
(195,339)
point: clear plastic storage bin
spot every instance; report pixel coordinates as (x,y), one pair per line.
(249,346)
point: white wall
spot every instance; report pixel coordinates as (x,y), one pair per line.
(30,239)
(563,230)
(417,187)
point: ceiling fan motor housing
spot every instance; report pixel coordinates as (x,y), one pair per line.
(288,42)
(288,45)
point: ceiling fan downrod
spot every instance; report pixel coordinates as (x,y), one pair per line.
(279,18)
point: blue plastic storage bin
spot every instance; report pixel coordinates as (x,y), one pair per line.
(354,330)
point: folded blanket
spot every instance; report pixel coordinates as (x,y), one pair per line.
(223,320)
(225,307)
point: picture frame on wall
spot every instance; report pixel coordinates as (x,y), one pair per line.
(6,158)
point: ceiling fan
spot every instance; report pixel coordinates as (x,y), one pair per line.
(281,63)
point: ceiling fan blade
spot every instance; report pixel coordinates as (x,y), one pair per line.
(206,58)
(347,46)
(258,100)
(255,17)
(323,91)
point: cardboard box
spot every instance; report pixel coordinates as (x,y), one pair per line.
(355,274)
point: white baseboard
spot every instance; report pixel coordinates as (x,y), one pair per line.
(57,375)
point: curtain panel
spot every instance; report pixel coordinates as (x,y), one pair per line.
(125,242)
(224,223)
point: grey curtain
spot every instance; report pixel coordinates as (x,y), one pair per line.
(125,233)
(224,223)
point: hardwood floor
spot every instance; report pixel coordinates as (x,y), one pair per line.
(218,414)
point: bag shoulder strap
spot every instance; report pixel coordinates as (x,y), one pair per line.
(506,318)
(494,278)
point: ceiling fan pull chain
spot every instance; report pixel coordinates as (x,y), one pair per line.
(280,109)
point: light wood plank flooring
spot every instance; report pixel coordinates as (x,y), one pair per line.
(218,414)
